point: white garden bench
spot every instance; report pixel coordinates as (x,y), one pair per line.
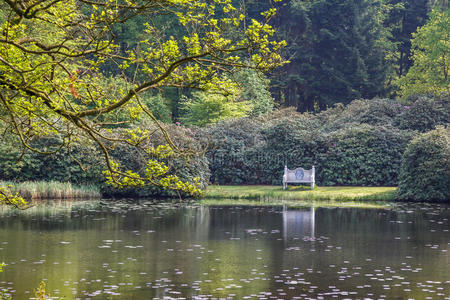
(299,175)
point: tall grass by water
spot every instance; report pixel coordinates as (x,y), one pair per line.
(42,190)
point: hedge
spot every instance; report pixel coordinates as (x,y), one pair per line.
(361,143)
(358,144)
(425,168)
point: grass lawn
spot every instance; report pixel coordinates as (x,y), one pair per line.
(299,195)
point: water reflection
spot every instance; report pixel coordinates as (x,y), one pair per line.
(143,251)
(298,222)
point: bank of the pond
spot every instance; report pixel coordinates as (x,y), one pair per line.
(297,204)
(223,195)
(276,193)
(40,190)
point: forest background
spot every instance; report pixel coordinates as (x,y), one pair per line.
(365,81)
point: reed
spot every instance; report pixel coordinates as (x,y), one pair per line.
(42,190)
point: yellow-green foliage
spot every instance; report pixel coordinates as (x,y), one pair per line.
(203,108)
(431,56)
(40,293)
(155,173)
(52,84)
(11,199)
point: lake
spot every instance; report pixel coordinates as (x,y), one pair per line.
(140,250)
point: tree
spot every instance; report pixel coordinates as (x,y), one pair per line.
(254,88)
(203,108)
(337,50)
(431,55)
(52,51)
(250,97)
(10,199)
(404,17)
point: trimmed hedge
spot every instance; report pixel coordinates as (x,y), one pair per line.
(364,155)
(425,169)
(424,113)
(358,144)
(17,164)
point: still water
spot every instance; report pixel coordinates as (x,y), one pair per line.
(143,251)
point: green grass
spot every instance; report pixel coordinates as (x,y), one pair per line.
(299,195)
(40,190)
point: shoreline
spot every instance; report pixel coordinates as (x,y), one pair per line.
(319,193)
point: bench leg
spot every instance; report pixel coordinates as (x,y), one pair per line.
(284,185)
(312,185)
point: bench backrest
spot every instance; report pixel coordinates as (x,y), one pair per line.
(299,175)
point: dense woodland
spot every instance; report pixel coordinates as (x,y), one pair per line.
(338,51)
(345,85)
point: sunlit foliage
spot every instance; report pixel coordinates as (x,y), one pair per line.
(12,199)
(52,52)
(202,108)
(431,56)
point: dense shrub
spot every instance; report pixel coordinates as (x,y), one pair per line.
(356,144)
(363,155)
(424,113)
(373,112)
(82,164)
(191,164)
(252,150)
(425,169)
(227,143)
(10,162)
(20,164)
(63,166)
(286,143)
